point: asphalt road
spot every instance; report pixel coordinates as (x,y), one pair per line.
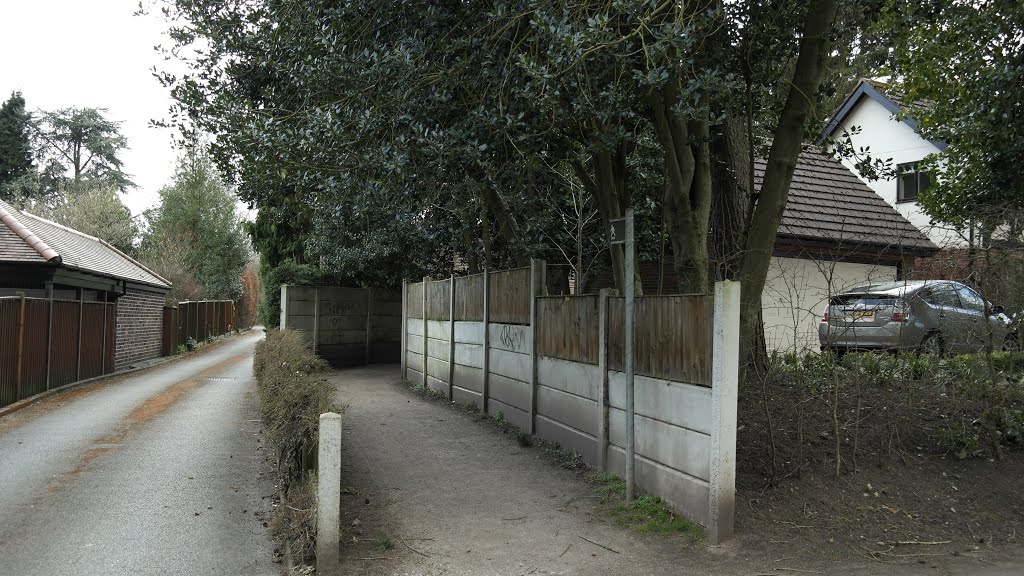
(159,472)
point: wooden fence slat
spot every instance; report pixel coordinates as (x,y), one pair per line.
(414,300)
(672,338)
(438,299)
(567,328)
(509,298)
(469,298)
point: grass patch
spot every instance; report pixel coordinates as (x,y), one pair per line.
(524,439)
(651,515)
(609,485)
(384,544)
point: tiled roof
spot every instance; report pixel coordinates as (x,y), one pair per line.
(75,250)
(896,96)
(827,202)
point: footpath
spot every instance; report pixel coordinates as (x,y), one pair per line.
(431,490)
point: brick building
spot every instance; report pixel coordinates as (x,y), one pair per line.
(44,260)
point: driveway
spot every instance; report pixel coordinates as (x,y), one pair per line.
(157,472)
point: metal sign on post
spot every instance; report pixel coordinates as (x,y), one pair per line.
(621,232)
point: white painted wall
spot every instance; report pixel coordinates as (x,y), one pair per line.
(795,294)
(888,137)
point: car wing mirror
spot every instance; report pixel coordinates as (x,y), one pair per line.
(997,309)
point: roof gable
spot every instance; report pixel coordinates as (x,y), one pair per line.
(880,92)
(829,203)
(67,247)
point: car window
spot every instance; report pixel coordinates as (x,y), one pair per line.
(941,296)
(971,300)
(863,300)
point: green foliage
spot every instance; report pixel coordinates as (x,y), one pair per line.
(16,161)
(96,210)
(967,405)
(651,515)
(197,232)
(78,145)
(609,484)
(286,272)
(384,544)
(960,64)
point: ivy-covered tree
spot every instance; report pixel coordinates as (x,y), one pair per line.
(411,131)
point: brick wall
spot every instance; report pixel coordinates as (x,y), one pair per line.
(139,327)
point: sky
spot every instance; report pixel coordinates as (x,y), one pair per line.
(64,53)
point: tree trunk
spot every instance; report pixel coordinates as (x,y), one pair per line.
(687,202)
(731,169)
(612,201)
(788,137)
(506,225)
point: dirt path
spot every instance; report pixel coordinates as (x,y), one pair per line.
(434,491)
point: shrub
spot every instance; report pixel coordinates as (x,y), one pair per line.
(817,409)
(293,394)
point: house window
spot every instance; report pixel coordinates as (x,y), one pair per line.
(910,182)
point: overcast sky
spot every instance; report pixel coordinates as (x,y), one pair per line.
(63,53)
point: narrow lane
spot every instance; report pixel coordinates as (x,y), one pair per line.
(157,473)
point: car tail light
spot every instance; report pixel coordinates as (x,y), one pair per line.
(900,316)
(824,319)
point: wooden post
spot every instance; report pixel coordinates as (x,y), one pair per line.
(81,310)
(426,281)
(369,324)
(537,284)
(21,348)
(487,338)
(602,369)
(405,329)
(49,331)
(451,338)
(102,363)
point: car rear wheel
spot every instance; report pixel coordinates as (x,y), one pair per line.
(932,344)
(1011,344)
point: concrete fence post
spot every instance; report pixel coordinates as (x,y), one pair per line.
(451,338)
(284,311)
(328,493)
(487,338)
(405,329)
(537,285)
(426,281)
(602,388)
(725,371)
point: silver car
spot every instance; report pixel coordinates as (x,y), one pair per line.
(933,316)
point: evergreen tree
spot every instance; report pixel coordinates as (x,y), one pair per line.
(15,147)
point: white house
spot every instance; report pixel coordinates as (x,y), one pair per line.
(873,107)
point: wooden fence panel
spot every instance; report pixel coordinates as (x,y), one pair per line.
(567,328)
(672,337)
(10,311)
(92,340)
(414,303)
(64,355)
(469,298)
(438,299)
(33,374)
(509,298)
